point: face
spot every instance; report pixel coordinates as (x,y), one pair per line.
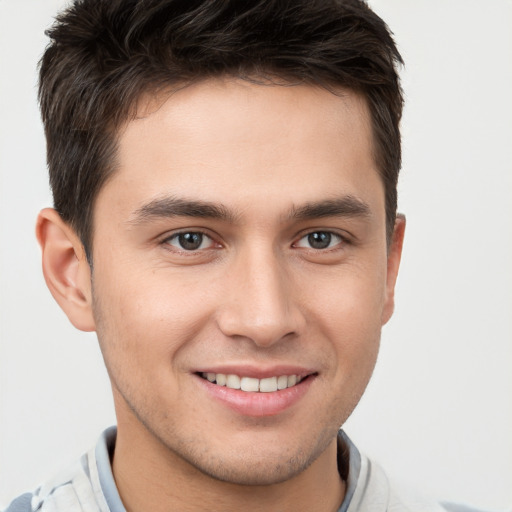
(241,243)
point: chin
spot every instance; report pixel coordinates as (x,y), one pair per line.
(268,470)
(263,461)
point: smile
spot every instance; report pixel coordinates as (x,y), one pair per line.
(257,392)
(251,384)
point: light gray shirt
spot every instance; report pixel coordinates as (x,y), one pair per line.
(89,486)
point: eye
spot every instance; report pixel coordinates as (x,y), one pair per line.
(320,240)
(190,241)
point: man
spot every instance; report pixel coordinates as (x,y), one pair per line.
(224,177)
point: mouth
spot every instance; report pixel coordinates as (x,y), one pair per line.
(252,392)
(252,384)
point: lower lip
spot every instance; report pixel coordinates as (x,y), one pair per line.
(257,404)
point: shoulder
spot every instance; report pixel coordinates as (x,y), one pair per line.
(370,489)
(405,500)
(68,491)
(399,498)
(22,503)
(76,489)
(459,507)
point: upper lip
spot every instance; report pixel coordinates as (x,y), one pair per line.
(257,372)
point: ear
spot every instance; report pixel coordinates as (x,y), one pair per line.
(65,268)
(394,256)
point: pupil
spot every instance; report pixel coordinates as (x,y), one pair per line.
(319,240)
(190,241)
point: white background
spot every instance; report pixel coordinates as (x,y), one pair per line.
(438,413)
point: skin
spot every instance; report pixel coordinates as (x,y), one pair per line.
(255,294)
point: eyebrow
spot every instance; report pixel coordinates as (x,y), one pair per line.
(347,206)
(167,207)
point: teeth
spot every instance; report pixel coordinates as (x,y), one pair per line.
(233,381)
(268,385)
(282,382)
(250,384)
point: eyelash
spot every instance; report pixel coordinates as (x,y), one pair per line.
(340,240)
(175,236)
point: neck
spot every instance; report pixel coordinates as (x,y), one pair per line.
(151,477)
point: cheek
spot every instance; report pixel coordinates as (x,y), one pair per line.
(347,309)
(348,299)
(145,320)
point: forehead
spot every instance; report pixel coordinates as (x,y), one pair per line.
(227,139)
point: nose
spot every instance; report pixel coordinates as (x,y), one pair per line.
(260,303)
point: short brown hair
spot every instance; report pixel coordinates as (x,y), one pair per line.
(104,54)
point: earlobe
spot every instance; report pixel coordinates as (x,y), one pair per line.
(65,268)
(394,256)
